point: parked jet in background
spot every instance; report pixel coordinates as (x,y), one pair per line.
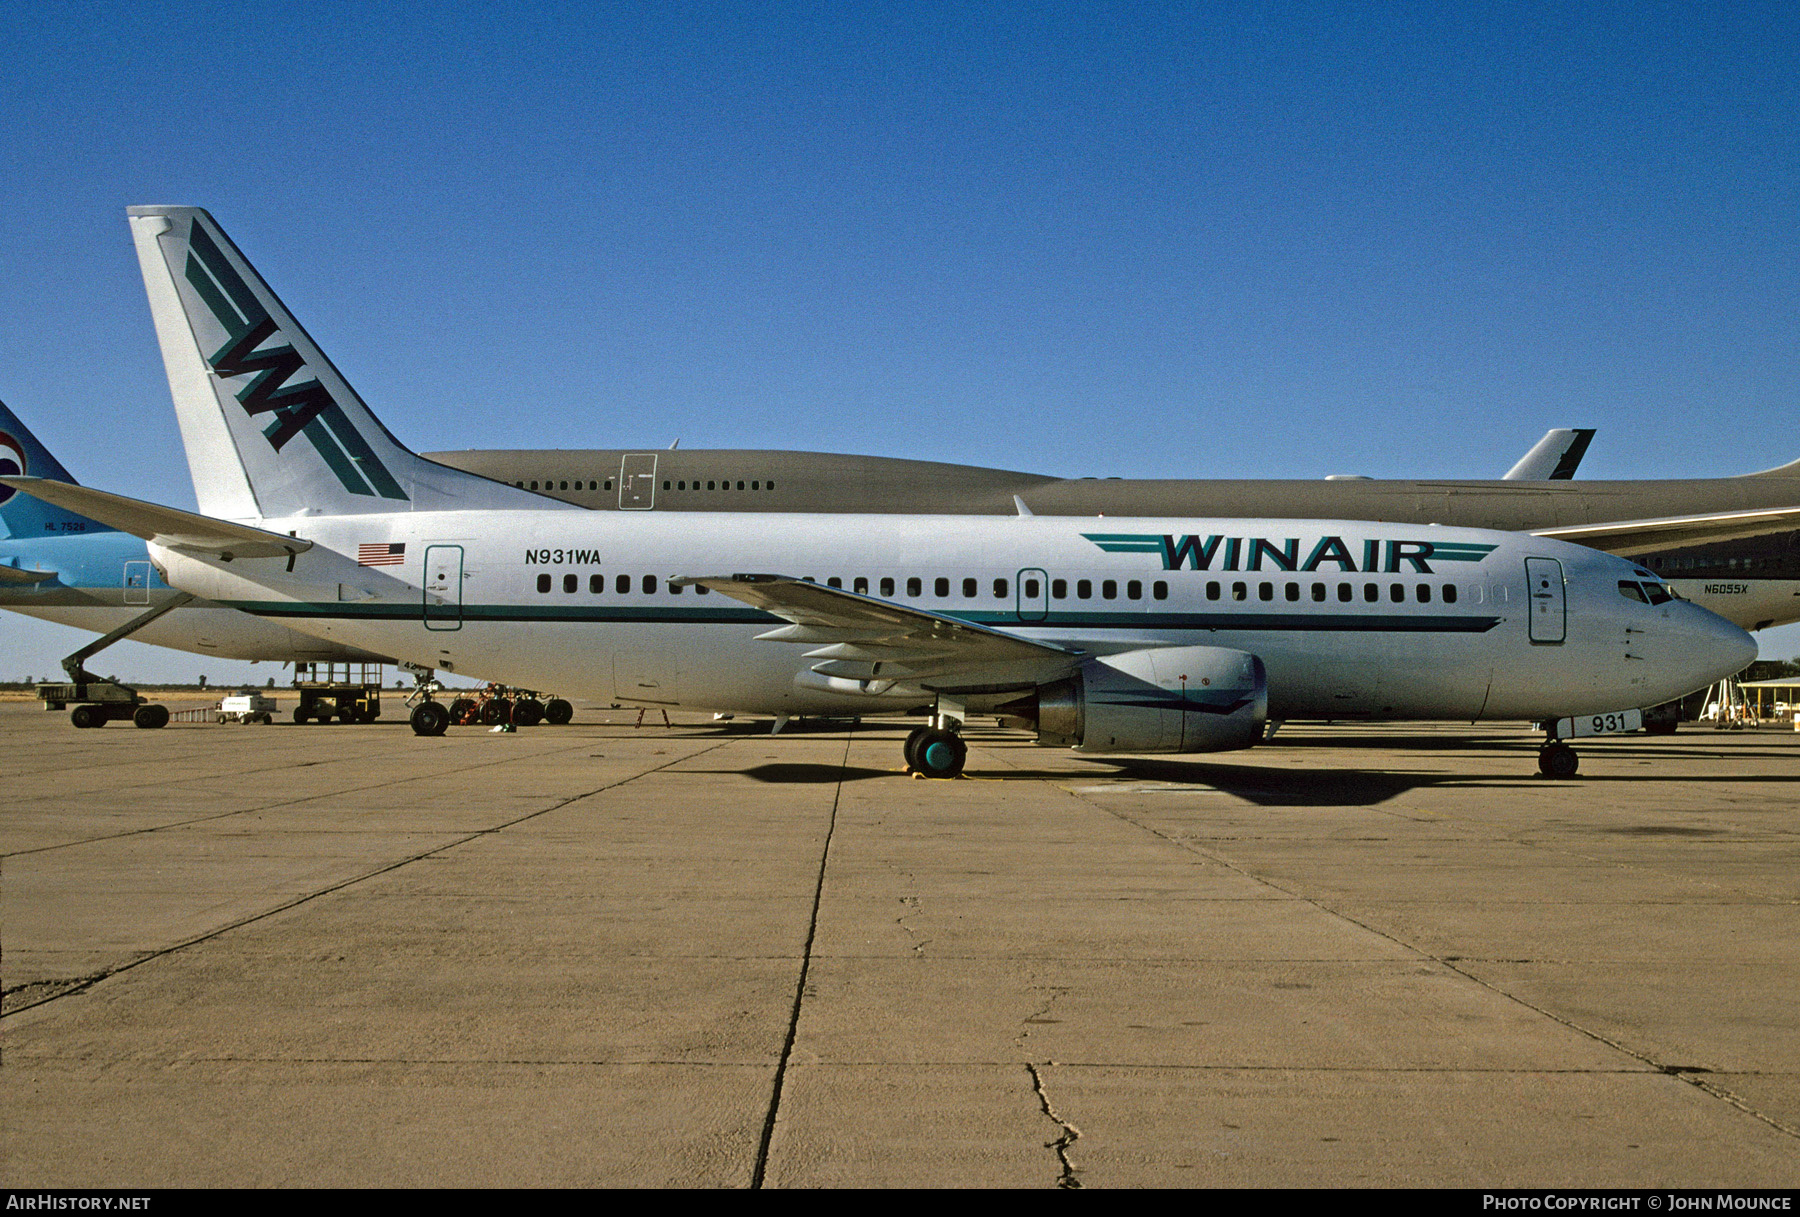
(1687,529)
(59,566)
(1148,635)
(736,479)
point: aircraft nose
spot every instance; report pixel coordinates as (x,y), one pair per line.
(1717,648)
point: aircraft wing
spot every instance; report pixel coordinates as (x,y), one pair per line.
(166,526)
(862,638)
(1629,538)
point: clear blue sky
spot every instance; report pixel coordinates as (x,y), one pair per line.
(1130,239)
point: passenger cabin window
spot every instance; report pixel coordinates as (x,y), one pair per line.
(940,587)
(649,584)
(970,587)
(1449,593)
(543,582)
(1000,587)
(860,585)
(1159,590)
(914,586)
(887,587)
(1031,589)
(622,584)
(1059,589)
(571,582)
(596,584)
(1084,589)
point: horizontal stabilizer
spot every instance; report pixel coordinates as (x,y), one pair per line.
(166,526)
(1629,538)
(12,576)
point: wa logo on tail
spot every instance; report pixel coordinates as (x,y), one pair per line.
(305,408)
(272,428)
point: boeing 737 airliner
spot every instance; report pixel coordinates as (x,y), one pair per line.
(1130,635)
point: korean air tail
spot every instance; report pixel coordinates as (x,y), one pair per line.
(21,515)
(271,428)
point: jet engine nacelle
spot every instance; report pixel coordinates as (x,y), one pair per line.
(1163,699)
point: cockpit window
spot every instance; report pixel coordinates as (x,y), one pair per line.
(1658,593)
(1632,591)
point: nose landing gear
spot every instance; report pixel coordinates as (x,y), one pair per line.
(1557,760)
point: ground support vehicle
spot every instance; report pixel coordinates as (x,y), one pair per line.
(98,702)
(347,692)
(246,706)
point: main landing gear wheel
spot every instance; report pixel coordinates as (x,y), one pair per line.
(939,754)
(912,743)
(527,712)
(430,718)
(495,712)
(1558,761)
(557,712)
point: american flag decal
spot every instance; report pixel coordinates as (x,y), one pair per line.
(386,553)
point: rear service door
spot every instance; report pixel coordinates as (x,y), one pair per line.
(137,583)
(443,587)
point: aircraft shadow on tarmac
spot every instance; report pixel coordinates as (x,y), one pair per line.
(1506,763)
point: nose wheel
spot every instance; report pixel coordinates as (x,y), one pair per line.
(1557,760)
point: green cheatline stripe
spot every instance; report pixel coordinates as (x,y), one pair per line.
(357,449)
(201,243)
(1338,623)
(1461,552)
(1125,542)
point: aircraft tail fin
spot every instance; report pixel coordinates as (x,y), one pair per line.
(21,515)
(272,429)
(1789,470)
(1554,458)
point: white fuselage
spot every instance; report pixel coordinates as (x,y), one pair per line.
(1387,621)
